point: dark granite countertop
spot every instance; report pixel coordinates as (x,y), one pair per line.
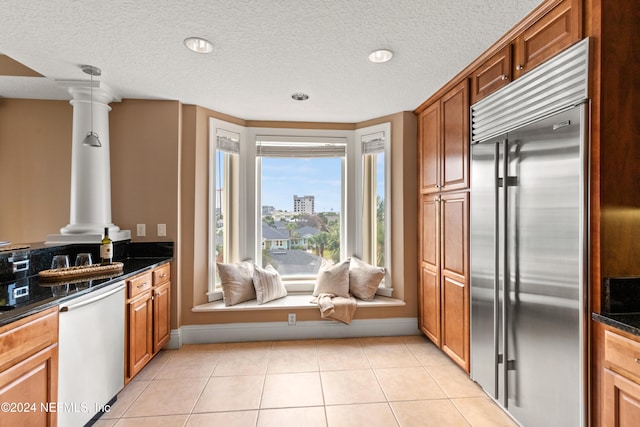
(628,322)
(45,295)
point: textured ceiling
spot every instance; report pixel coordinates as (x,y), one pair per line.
(264,50)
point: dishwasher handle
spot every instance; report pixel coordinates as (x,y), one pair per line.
(102,296)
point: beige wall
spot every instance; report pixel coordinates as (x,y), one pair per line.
(159,168)
(145,138)
(35,168)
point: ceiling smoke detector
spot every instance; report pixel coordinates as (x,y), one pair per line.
(299,96)
(381,55)
(198,45)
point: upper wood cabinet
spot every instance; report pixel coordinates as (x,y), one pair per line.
(555,27)
(429,147)
(444,142)
(556,30)
(493,74)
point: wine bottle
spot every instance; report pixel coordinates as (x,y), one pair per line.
(106,248)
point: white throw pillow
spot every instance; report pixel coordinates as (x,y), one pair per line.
(268,284)
(333,279)
(237,282)
(364,279)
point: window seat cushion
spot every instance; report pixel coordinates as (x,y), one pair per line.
(292,301)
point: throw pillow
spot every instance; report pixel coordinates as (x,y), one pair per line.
(364,279)
(237,282)
(333,279)
(268,284)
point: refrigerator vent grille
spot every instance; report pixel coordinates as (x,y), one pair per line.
(559,83)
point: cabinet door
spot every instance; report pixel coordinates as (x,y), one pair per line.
(621,403)
(429,149)
(140,331)
(454,157)
(161,317)
(454,272)
(553,32)
(429,304)
(32,383)
(492,75)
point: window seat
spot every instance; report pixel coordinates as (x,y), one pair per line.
(292,301)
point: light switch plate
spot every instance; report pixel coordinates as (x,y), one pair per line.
(162,230)
(141,230)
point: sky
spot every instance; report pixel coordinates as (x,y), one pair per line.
(282,178)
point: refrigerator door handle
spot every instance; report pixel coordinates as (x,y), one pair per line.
(496,260)
(505,274)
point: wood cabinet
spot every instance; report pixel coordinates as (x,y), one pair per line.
(493,74)
(444,142)
(556,30)
(444,290)
(29,370)
(148,317)
(621,381)
(555,27)
(161,307)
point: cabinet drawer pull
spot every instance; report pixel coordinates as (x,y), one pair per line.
(519,67)
(142,285)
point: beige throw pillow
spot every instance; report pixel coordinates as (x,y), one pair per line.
(333,279)
(364,279)
(268,284)
(237,282)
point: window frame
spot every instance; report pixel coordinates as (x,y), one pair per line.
(249,216)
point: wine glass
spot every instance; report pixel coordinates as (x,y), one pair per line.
(60,261)
(83,259)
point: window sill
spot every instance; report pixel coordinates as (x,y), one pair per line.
(291,301)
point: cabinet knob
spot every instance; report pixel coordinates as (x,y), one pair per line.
(637,359)
(519,67)
(503,77)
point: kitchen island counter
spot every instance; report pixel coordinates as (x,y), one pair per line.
(43,295)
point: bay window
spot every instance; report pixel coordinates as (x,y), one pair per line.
(295,197)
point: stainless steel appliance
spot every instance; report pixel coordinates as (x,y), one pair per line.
(90,354)
(528,242)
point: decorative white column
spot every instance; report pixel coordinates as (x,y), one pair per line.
(90,208)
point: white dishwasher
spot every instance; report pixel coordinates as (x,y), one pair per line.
(90,354)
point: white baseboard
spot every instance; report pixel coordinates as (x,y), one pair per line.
(275,331)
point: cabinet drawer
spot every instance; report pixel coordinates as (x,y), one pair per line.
(161,274)
(27,336)
(622,352)
(139,284)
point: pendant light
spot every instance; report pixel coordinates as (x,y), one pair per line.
(91,140)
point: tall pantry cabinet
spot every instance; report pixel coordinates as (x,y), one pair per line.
(443,222)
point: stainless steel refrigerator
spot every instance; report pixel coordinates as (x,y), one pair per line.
(528,254)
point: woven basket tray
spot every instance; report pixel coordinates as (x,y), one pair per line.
(70,273)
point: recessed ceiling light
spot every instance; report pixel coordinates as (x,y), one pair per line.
(381,55)
(198,44)
(299,96)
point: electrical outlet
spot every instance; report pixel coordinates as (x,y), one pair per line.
(141,230)
(162,230)
(292,318)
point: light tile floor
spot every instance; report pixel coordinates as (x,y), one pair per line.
(387,381)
